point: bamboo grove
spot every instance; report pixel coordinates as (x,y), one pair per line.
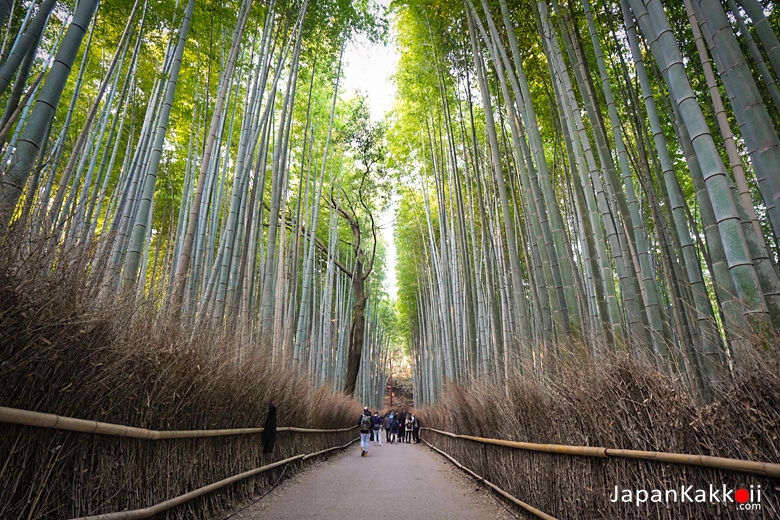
(587,180)
(575,181)
(201,156)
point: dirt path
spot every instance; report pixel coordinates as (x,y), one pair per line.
(393,478)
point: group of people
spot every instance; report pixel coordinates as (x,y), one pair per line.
(398,427)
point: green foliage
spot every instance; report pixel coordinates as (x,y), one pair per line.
(365,142)
(411,241)
(330,22)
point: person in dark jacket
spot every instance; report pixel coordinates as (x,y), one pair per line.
(393,429)
(269,430)
(388,419)
(377,426)
(366,426)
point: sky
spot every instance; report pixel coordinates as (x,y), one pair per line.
(367,69)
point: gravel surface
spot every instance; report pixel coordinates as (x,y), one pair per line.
(393,481)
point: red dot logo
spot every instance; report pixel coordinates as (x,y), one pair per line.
(742,495)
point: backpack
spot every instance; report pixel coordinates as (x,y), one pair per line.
(365,423)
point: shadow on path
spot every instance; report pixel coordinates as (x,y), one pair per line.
(393,481)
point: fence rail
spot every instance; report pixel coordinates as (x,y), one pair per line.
(59,422)
(528,507)
(766,469)
(148,512)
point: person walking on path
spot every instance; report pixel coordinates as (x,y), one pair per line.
(393,429)
(415,429)
(377,429)
(365,424)
(388,420)
(408,429)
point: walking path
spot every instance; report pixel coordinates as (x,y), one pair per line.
(394,481)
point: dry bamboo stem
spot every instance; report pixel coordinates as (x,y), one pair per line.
(531,509)
(47,420)
(150,511)
(766,469)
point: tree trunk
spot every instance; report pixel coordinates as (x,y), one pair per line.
(357,327)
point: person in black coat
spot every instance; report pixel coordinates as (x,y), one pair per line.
(269,430)
(402,426)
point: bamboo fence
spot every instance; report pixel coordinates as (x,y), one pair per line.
(148,512)
(45,420)
(58,422)
(531,509)
(766,469)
